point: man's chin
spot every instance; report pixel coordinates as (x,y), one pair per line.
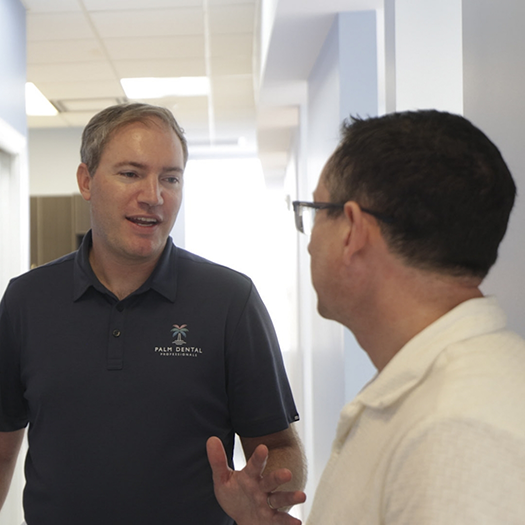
(323,311)
(146,251)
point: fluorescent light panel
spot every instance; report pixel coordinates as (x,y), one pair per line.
(36,103)
(144,88)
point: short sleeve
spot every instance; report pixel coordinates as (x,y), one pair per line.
(13,409)
(259,393)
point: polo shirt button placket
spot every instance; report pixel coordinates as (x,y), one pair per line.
(115,351)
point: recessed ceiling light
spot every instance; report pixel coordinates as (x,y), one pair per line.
(139,88)
(36,103)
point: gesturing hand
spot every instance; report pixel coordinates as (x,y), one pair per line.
(246,495)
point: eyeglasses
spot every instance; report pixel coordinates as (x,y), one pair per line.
(305,213)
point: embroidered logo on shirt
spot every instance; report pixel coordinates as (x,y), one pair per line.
(181,348)
(180,332)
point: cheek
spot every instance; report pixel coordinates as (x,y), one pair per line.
(174,201)
(172,204)
(317,260)
(323,261)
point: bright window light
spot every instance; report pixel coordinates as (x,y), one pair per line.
(142,88)
(232,219)
(36,103)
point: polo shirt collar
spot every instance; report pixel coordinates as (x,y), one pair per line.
(411,364)
(163,278)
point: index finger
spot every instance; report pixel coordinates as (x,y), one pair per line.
(257,461)
(217,459)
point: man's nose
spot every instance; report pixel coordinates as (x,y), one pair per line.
(151,192)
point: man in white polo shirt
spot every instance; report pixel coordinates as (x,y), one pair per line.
(407,219)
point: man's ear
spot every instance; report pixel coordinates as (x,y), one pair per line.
(84,181)
(357,233)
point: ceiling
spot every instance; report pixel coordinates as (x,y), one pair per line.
(77,51)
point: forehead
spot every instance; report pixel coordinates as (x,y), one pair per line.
(124,131)
(151,143)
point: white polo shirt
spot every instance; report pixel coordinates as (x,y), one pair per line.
(438,437)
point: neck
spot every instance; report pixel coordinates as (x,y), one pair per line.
(402,307)
(120,277)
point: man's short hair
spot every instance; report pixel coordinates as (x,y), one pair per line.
(101,127)
(441,179)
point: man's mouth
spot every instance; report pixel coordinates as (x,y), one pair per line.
(144,221)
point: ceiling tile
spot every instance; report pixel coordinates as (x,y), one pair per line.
(228,19)
(233,125)
(160,22)
(229,85)
(160,68)
(51,6)
(57,26)
(213,3)
(234,115)
(77,105)
(182,107)
(126,5)
(232,45)
(85,89)
(168,47)
(236,100)
(56,51)
(232,66)
(99,70)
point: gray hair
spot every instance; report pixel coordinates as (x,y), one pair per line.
(101,127)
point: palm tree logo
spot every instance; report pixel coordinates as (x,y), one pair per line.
(179,331)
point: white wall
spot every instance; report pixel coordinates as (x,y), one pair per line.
(494,83)
(428,55)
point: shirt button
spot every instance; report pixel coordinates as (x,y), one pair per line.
(120,307)
(116,333)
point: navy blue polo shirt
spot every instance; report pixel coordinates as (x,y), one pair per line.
(121,396)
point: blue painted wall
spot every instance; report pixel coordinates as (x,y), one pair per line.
(13,64)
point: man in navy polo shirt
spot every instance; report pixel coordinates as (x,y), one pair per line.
(125,357)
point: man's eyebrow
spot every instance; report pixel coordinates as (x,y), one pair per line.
(142,166)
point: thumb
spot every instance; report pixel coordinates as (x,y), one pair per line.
(218,462)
